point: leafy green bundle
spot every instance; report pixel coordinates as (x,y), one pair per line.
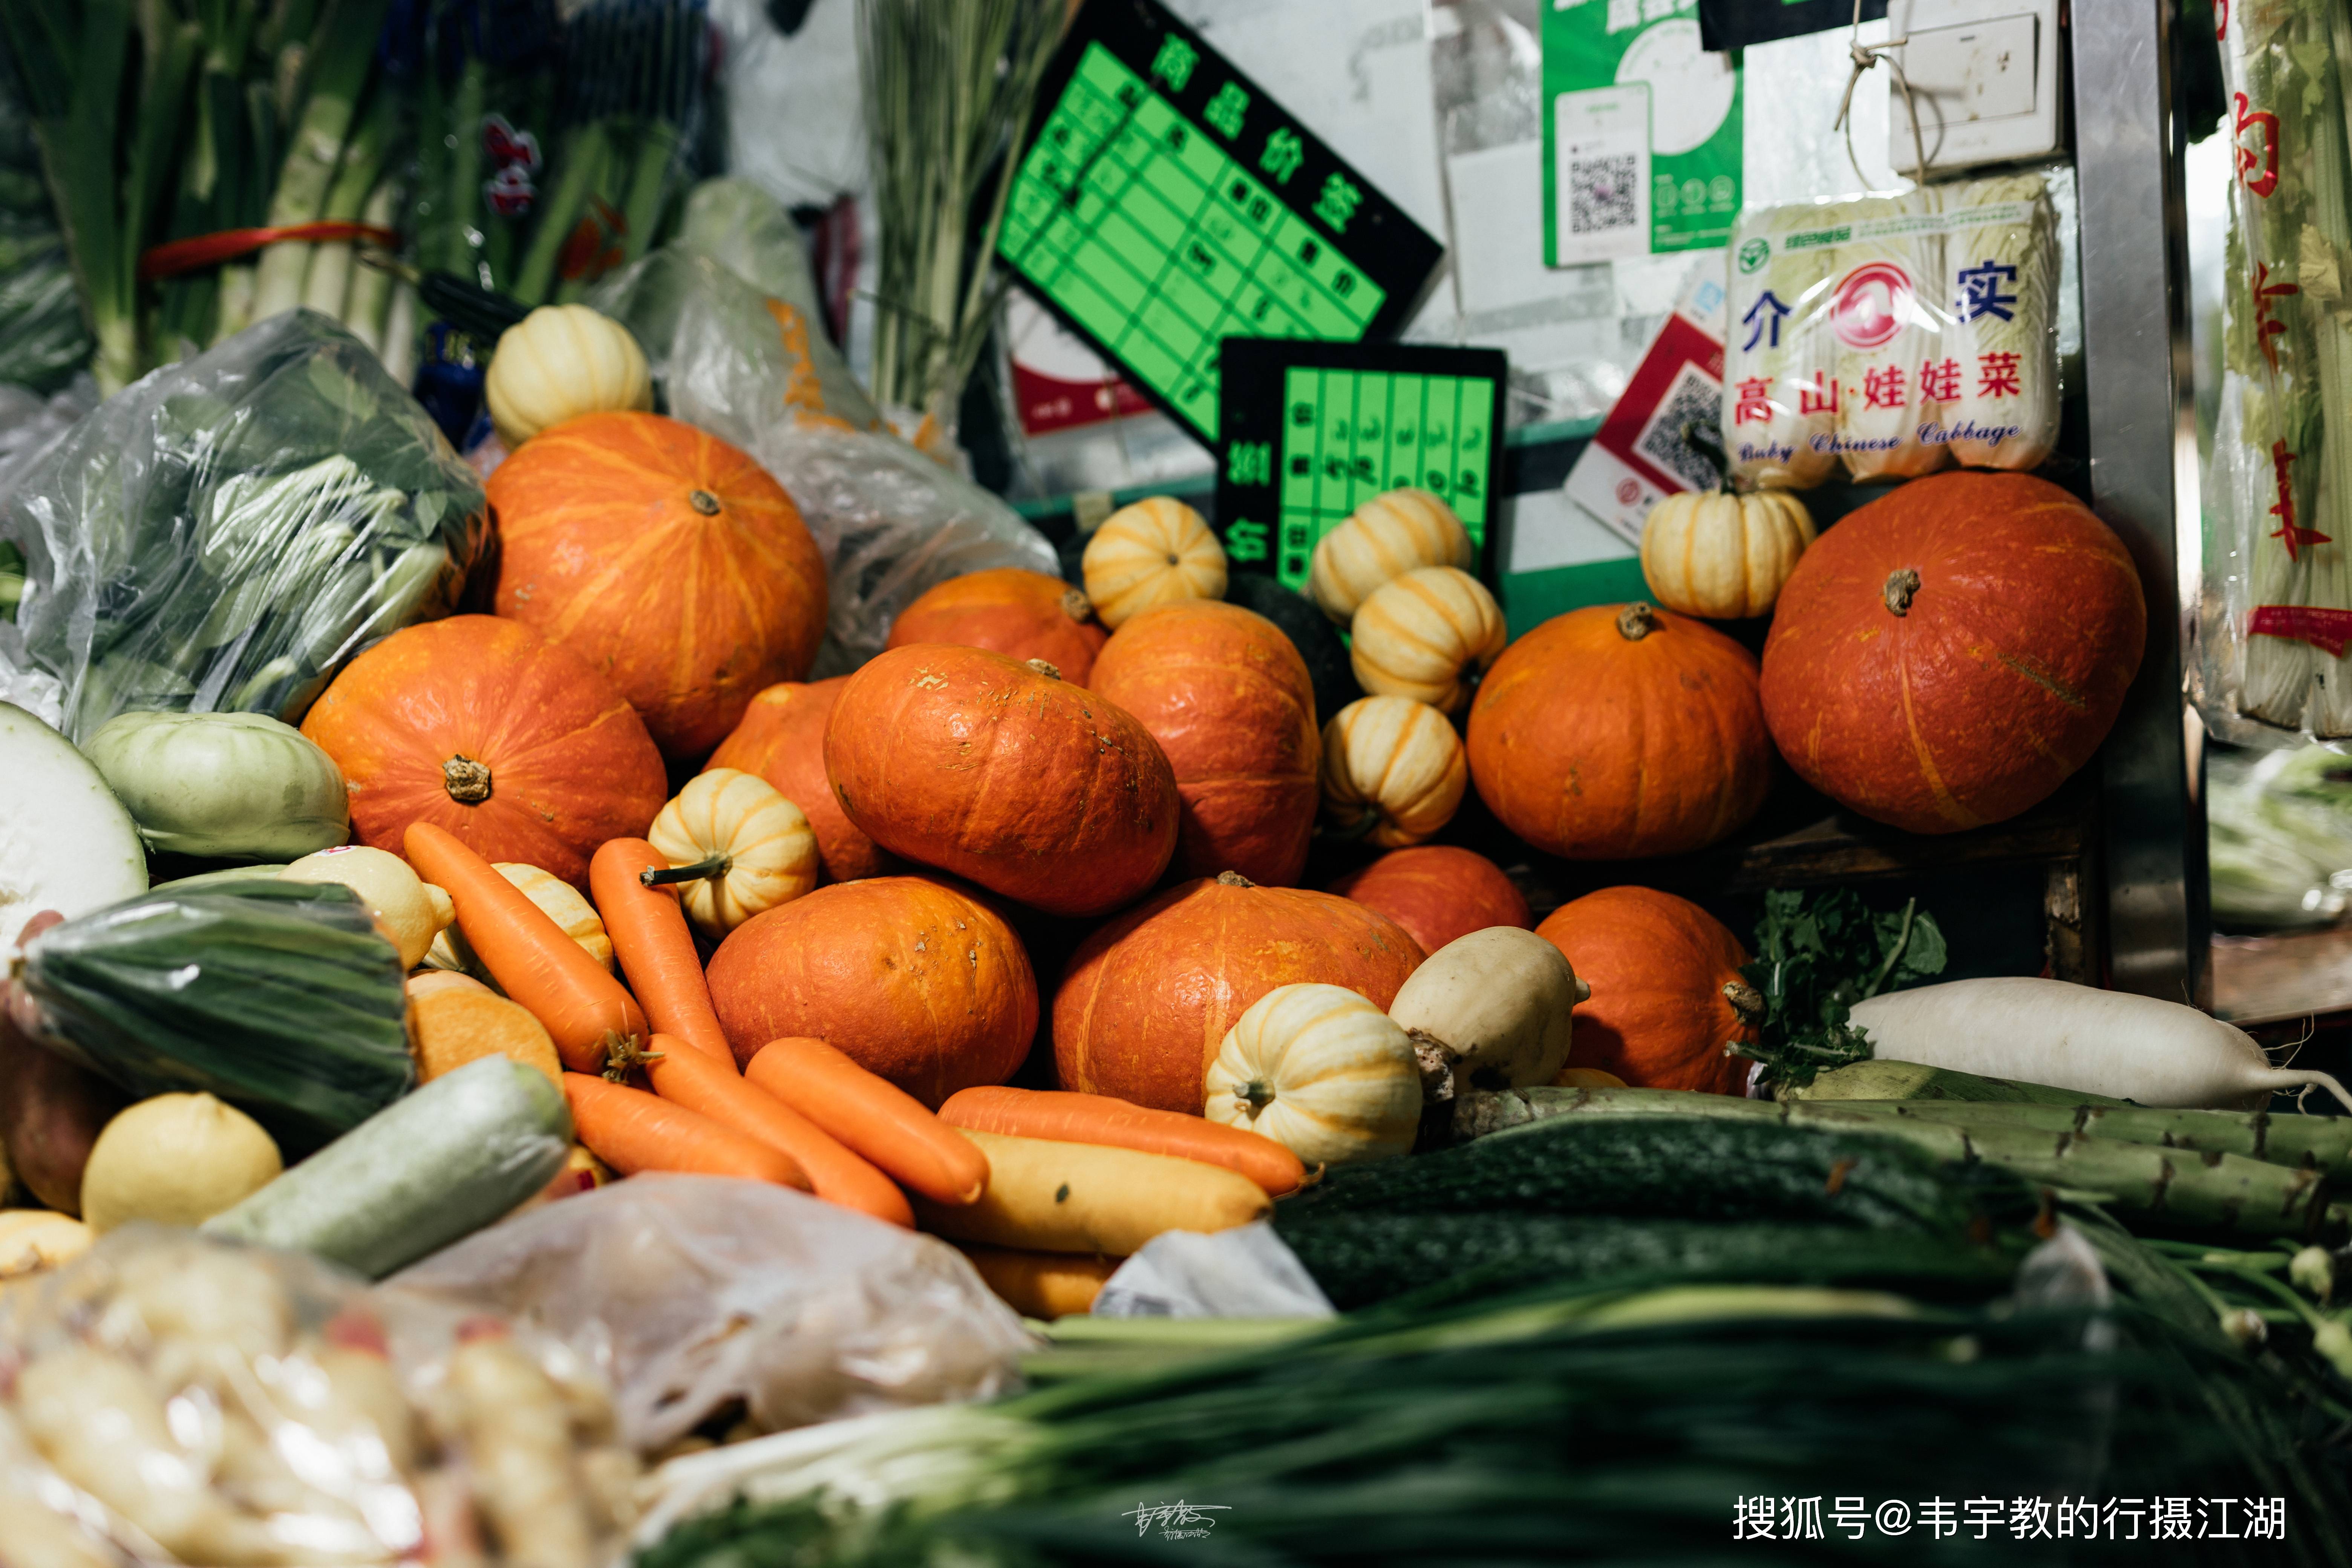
(226,533)
(1818,955)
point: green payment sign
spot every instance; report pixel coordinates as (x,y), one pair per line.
(1166,203)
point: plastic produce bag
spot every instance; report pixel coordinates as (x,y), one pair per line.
(172,1399)
(2279,566)
(1246,1272)
(2279,830)
(1894,335)
(736,359)
(692,1293)
(226,533)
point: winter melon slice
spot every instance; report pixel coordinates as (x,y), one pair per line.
(65,843)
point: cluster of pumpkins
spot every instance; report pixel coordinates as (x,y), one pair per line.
(1112,789)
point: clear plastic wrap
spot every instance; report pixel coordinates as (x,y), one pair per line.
(171,1399)
(227,532)
(2278,597)
(2280,838)
(691,1293)
(1892,335)
(748,366)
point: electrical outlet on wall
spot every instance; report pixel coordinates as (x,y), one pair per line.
(1984,82)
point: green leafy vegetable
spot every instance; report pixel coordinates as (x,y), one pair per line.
(1817,955)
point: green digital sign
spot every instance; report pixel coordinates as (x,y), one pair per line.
(1314,430)
(1167,203)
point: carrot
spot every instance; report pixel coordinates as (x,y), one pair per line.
(632,1130)
(1098,1119)
(873,1116)
(1046,1285)
(656,950)
(528,953)
(1082,1198)
(687,1077)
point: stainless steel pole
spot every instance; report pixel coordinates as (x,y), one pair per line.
(2143,440)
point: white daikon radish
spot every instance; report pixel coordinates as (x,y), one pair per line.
(2079,1038)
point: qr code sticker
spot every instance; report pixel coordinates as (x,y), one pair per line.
(1601,194)
(1695,398)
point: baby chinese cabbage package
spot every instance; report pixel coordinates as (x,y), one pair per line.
(1885,336)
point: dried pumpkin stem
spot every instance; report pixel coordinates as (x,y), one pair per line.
(467,780)
(1901,585)
(1636,621)
(1234,880)
(1746,1001)
(717,866)
(1077,606)
(703,501)
(1256,1094)
(1435,1060)
(1050,671)
(624,1054)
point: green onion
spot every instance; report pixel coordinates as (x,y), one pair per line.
(338,73)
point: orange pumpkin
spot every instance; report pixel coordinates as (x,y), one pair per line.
(1148,998)
(666,558)
(1668,995)
(911,978)
(1621,731)
(1020,613)
(1005,774)
(1227,697)
(483,727)
(1946,656)
(781,739)
(1437,892)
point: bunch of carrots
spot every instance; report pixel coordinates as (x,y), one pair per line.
(1046,1192)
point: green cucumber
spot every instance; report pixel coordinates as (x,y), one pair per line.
(280,998)
(438,1166)
(1361,1258)
(1876,1080)
(1676,1168)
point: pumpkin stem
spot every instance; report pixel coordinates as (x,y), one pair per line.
(1051,672)
(717,866)
(1234,880)
(1077,606)
(1636,621)
(1900,585)
(1435,1060)
(624,1054)
(703,501)
(467,780)
(1258,1094)
(1746,1001)
(1356,829)
(1706,438)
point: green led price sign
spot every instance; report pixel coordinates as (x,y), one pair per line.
(1314,430)
(1167,203)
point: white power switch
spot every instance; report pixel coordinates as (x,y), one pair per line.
(1983,77)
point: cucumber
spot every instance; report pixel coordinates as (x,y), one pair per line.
(1914,1080)
(278,997)
(1361,1258)
(1674,1167)
(438,1166)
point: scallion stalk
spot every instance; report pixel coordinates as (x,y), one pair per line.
(338,75)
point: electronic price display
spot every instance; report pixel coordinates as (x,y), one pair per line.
(1312,431)
(1167,203)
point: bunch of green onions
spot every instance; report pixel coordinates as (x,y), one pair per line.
(949,90)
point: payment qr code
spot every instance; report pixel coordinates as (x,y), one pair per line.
(1694,399)
(1601,194)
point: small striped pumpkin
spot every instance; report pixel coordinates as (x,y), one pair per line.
(759,845)
(1425,635)
(1155,552)
(1396,760)
(1723,556)
(1322,1072)
(1388,536)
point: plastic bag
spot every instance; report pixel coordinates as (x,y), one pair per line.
(175,1399)
(747,367)
(1893,335)
(693,1292)
(1246,1272)
(2279,830)
(226,533)
(2279,566)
